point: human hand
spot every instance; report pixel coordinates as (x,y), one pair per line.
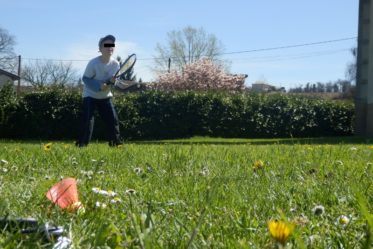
(110,81)
(104,87)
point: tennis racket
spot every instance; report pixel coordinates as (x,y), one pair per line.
(125,67)
(47,232)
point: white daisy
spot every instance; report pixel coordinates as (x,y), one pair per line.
(318,210)
(138,170)
(115,200)
(130,191)
(111,193)
(96,190)
(100,205)
(343,220)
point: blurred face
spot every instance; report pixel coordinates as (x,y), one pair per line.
(107,48)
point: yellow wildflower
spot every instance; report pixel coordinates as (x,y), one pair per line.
(258,164)
(280,230)
(47,147)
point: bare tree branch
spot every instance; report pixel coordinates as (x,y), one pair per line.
(41,73)
(7,56)
(185,47)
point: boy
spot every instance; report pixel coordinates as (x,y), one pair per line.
(97,94)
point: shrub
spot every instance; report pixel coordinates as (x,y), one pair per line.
(48,114)
(54,114)
(8,107)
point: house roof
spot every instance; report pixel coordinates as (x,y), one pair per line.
(12,76)
(261,84)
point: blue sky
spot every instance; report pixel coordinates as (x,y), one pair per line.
(70,30)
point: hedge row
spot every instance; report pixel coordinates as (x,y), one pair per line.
(54,114)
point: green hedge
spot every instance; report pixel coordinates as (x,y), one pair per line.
(54,114)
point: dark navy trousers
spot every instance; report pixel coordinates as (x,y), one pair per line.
(107,112)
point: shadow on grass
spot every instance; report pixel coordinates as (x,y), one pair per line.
(222,141)
(259,141)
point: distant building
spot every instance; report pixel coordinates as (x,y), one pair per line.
(264,87)
(7,77)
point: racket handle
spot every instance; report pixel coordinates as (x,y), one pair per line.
(17,223)
(109,83)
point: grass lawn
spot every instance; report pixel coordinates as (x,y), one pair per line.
(196,193)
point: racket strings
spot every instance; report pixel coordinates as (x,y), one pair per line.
(127,65)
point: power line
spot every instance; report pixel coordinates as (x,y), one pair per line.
(227,53)
(277,48)
(289,56)
(289,46)
(45,59)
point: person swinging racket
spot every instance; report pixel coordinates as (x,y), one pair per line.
(98,76)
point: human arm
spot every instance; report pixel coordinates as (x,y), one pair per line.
(93,77)
(93,84)
(98,77)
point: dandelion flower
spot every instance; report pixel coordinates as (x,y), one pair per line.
(258,164)
(47,147)
(280,231)
(318,210)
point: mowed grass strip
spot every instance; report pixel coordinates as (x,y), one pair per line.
(195,193)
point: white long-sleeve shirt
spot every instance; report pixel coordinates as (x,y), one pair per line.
(95,74)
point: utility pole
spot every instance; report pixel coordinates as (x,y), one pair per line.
(19,75)
(364,72)
(169,64)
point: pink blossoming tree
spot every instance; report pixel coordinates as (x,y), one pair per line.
(203,74)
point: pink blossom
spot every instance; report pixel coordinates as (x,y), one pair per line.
(203,74)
